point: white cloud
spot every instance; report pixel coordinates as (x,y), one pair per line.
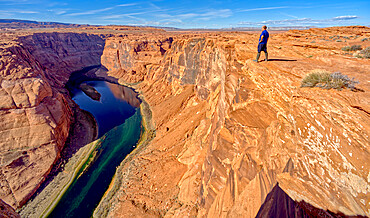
(202,16)
(262,9)
(91,11)
(100,10)
(171,18)
(27,12)
(18,11)
(60,12)
(121,15)
(347,17)
(154,6)
(126,5)
(288,15)
(222,13)
(301,21)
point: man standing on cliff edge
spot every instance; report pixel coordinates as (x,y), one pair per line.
(262,43)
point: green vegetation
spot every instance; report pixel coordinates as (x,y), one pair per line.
(352,48)
(324,79)
(365,53)
(364,39)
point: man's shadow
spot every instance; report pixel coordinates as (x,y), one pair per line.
(280,59)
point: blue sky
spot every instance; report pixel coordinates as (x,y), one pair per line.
(192,13)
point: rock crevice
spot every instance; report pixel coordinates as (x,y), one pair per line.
(241,129)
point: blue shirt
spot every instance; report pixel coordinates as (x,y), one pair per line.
(265,35)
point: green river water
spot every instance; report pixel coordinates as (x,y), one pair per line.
(93,180)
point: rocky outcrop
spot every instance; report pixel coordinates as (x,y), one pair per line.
(35,110)
(226,129)
(128,59)
(229,129)
(7,211)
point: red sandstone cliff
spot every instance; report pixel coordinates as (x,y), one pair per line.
(34,115)
(229,129)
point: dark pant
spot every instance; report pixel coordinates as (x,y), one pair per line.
(262,47)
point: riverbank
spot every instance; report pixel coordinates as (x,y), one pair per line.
(148,133)
(46,200)
(77,150)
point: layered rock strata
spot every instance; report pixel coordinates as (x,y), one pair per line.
(226,129)
(35,110)
(229,129)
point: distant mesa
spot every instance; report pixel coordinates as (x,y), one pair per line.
(24,24)
(21,24)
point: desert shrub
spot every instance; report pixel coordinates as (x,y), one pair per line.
(352,48)
(355,47)
(339,40)
(365,53)
(315,77)
(364,39)
(326,80)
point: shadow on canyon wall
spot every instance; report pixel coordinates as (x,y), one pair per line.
(279,205)
(281,59)
(65,59)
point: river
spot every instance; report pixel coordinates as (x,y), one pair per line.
(119,120)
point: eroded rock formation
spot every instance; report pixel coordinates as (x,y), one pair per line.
(229,129)
(226,129)
(34,109)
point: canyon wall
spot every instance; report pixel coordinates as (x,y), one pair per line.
(228,129)
(7,211)
(35,108)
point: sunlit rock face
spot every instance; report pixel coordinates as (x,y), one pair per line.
(34,108)
(60,54)
(229,129)
(226,129)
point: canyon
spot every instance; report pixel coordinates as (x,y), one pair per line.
(222,129)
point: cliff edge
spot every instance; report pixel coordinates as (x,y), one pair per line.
(228,129)
(35,108)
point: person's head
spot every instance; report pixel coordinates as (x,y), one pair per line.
(264,27)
